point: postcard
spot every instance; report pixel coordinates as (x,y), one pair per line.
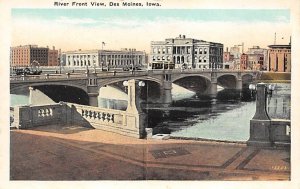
(149,94)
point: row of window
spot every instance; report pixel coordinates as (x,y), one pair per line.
(109,56)
(279,51)
(183,50)
(110,62)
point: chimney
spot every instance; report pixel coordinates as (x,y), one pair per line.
(183,36)
(179,35)
(226,49)
(53,47)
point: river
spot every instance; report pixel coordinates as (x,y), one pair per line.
(226,117)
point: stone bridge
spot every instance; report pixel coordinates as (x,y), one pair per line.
(84,88)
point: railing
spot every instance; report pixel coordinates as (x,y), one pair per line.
(109,74)
(32,116)
(122,122)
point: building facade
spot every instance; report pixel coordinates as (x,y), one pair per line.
(255,62)
(259,52)
(244,62)
(182,52)
(279,58)
(124,58)
(24,56)
(53,57)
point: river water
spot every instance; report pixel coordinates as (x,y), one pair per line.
(226,117)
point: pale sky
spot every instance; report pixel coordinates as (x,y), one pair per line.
(72,29)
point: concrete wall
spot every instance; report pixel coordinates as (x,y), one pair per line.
(127,123)
(280,132)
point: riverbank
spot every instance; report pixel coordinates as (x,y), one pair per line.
(76,153)
(275,77)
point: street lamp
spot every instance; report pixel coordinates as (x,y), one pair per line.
(260,123)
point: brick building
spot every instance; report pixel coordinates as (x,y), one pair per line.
(24,56)
(279,58)
(53,57)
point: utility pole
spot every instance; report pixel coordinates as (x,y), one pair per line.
(103,44)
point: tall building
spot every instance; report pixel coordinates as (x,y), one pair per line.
(244,62)
(124,58)
(24,56)
(279,58)
(53,58)
(182,52)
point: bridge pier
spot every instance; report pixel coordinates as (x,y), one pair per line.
(239,84)
(212,91)
(92,88)
(166,93)
(93,99)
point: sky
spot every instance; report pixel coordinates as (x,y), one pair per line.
(73,29)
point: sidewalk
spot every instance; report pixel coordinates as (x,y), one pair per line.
(76,153)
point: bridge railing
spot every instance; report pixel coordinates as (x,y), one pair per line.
(32,116)
(127,122)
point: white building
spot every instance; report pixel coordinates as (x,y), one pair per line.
(124,58)
(182,52)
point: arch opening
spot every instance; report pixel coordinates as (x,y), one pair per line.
(197,84)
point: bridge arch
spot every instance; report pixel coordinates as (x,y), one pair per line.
(228,81)
(151,92)
(194,82)
(25,87)
(56,91)
(181,76)
(110,81)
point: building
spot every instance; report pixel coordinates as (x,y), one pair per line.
(124,58)
(25,56)
(256,50)
(279,58)
(255,62)
(182,52)
(227,56)
(53,58)
(244,62)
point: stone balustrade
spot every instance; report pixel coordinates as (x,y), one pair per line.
(121,122)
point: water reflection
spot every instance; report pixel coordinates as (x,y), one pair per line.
(226,117)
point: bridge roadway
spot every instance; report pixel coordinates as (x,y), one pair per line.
(90,82)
